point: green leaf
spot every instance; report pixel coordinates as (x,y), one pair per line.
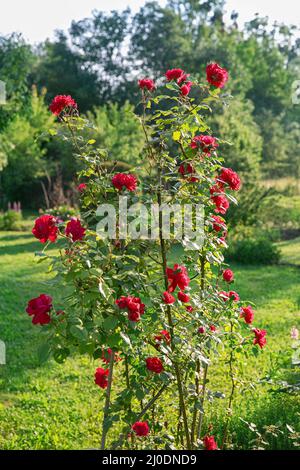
(61,354)
(44,351)
(104,289)
(79,332)
(110,323)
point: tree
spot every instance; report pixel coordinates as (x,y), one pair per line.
(15,63)
(237,123)
(118,129)
(23,147)
(61,70)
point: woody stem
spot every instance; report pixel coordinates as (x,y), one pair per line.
(107,401)
(169,315)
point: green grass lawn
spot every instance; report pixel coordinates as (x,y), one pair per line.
(53,406)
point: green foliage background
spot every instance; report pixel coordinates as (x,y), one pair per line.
(98,62)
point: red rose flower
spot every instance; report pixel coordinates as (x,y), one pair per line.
(164,335)
(106,355)
(224,295)
(210,443)
(216,76)
(228,275)
(146,83)
(221,202)
(217,189)
(231,178)
(213,328)
(45,228)
(218,223)
(122,180)
(175,74)
(186,88)
(183,297)
(187,169)
(101,377)
(141,428)
(168,298)
(177,277)
(233,296)
(183,78)
(134,306)
(81,187)
(39,309)
(189,308)
(259,337)
(75,230)
(201,330)
(207,143)
(154,364)
(60,102)
(248,314)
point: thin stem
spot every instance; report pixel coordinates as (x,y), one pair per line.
(231,374)
(202,400)
(127,379)
(195,411)
(169,316)
(201,416)
(107,400)
(142,412)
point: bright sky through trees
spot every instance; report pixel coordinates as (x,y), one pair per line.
(37,20)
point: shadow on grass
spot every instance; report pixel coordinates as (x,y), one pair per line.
(21,279)
(11,236)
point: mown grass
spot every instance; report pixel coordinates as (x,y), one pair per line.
(53,406)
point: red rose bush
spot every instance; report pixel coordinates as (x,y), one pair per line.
(154,318)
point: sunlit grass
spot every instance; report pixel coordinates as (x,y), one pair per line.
(58,406)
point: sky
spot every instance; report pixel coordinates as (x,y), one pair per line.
(37,19)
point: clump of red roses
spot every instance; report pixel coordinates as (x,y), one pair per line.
(134,306)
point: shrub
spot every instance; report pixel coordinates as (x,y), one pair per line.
(62,212)
(11,220)
(252,245)
(127,303)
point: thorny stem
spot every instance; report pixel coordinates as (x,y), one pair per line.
(127,379)
(164,268)
(169,315)
(142,412)
(231,374)
(201,415)
(107,400)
